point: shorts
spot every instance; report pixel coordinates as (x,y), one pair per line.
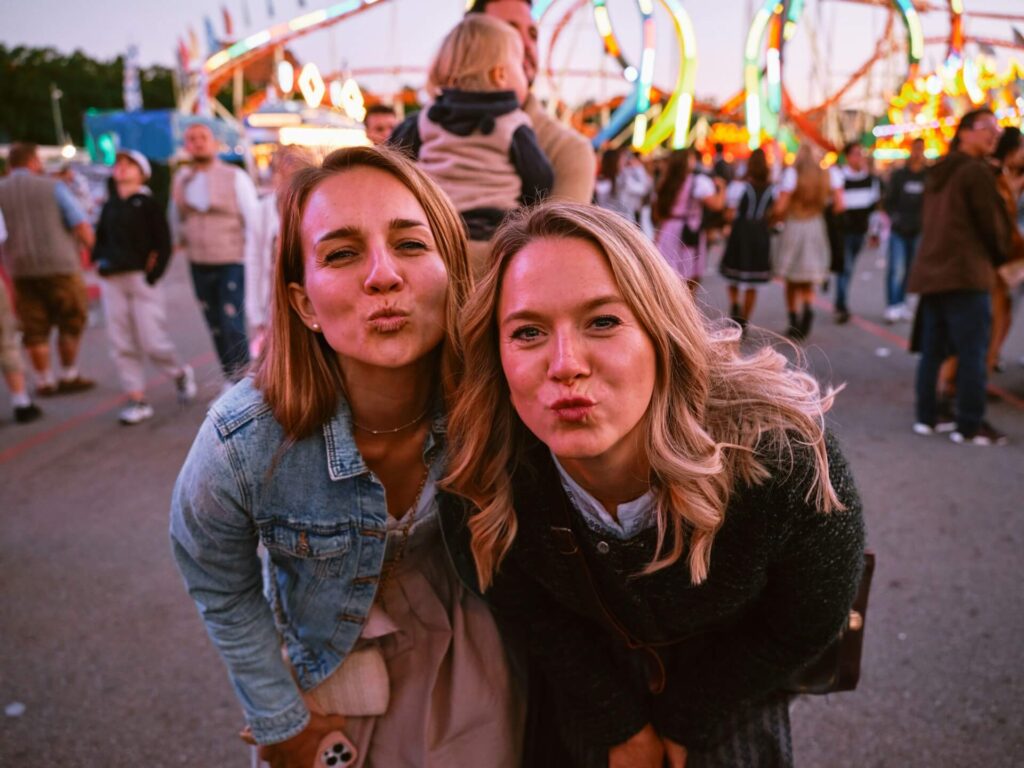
(45,302)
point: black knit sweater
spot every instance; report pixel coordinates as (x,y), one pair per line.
(780,586)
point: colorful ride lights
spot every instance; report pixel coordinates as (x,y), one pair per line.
(778,18)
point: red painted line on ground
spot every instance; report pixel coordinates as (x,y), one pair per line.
(108,405)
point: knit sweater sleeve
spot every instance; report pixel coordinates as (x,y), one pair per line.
(814,567)
(589,686)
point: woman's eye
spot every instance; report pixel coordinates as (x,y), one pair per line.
(412,245)
(339,254)
(606,322)
(525,333)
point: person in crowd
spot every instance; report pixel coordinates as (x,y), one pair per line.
(717,518)
(259,272)
(1009,163)
(803,250)
(46,231)
(721,167)
(607,190)
(903,198)
(11,366)
(380,121)
(79,188)
(132,251)
(965,236)
(861,193)
(474,139)
(683,196)
(747,261)
(569,152)
(329,456)
(215,214)
(634,187)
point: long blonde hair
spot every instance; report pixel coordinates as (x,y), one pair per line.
(812,182)
(297,371)
(713,412)
(470,51)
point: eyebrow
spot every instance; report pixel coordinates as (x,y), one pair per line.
(588,306)
(394,224)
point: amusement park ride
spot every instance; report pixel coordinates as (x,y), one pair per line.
(761,112)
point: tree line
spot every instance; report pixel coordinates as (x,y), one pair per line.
(26,75)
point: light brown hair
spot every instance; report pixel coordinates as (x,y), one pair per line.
(712,415)
(812,183)
(470,51)
(297,371)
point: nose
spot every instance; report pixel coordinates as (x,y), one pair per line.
(568,360)
(383,275)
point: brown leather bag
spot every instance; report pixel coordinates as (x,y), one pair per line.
(838,667)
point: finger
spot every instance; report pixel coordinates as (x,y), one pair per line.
(246,735)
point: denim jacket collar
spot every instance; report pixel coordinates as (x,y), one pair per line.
(343,459)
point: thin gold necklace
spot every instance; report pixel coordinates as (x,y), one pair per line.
(415,421)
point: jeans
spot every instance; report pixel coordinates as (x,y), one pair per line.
(852,243)
(901,255)
(954,324)
(220,289)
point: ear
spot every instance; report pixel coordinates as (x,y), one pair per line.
(303,307)
(499,76)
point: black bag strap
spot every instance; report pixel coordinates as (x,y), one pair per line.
(586,590)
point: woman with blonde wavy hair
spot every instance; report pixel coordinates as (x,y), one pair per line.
(665,528)
(328,457)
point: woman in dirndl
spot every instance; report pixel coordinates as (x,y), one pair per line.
(747,261)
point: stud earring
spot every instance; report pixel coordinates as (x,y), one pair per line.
(316,326)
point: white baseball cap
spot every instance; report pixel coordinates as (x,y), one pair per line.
(139,159)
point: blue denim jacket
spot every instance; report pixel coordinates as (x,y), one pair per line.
(321,515)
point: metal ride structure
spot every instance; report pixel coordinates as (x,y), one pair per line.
(228,64)
(673,122)
(766,98)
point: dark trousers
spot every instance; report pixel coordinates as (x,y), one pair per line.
(954,324)
(852,243)
(220,289)
(901,255)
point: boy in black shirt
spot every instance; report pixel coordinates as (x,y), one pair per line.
(133,248)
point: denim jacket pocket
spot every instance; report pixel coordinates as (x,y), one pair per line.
(306,560)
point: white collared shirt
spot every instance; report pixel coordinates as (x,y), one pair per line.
(634,516)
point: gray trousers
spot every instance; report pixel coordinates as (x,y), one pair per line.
(137,327)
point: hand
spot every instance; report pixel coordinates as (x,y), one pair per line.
(151,262)
(675,754)
(300,750)
(642,750)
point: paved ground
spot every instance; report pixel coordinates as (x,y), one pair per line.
(108,658)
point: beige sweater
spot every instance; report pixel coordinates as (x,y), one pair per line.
(569,152)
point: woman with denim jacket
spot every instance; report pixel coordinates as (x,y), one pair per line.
(628,439)
(328,456)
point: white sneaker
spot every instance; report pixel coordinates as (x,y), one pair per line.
(893,314)
(136,412)
(185,383)
(906,313)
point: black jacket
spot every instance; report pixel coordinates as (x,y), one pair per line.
(129,230)
(781,582)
